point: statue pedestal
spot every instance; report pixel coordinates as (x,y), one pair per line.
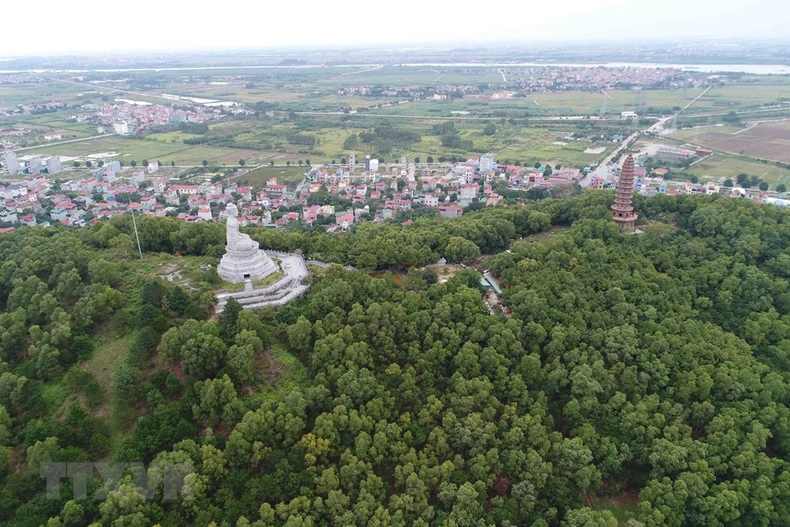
(245,264)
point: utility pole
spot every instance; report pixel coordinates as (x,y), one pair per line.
(136,235)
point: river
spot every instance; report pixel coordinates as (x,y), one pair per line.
(751,69)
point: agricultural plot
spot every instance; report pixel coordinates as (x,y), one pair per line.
(765,141)
(138,149)
(722,166)
(290,175)
(27,93)
(738,97)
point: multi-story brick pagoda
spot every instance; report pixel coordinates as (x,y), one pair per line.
(622,209)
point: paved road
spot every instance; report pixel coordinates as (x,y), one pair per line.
(602,170)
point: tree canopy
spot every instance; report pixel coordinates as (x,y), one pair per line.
(639,377)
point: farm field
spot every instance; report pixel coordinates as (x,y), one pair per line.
(232,92)
(722,166)
(722,99)
(25,93)
(404,76)
(139,149)
(257,178)
(770,140)
(692,134)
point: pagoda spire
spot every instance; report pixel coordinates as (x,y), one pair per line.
(622,208)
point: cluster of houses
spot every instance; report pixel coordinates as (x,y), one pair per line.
(374,195)
(652,184)
(121,117)
(563,78)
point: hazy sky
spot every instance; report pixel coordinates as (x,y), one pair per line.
(57,26)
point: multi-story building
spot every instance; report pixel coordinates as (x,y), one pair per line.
(11,163)
(487,163)
(121,128)
(54,166)
(114,166)
(34,165)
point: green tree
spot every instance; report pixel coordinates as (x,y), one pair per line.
(781,188)
(127,505)
(228,319)
(5,427)
(217,402)
(460,250)
(125,379)
(44,451)
(489,129)
(241,162)
(178,301)
(300,335)
(103,272)
(351,142)
(202,355)
(366,261)
(240,362)
(204,163)
(586,517)
(143,346)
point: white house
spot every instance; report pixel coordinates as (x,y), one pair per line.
(121,128)
(469,192)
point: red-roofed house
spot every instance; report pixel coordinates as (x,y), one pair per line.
(450,211)
(28,219)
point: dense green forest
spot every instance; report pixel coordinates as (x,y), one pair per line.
(640,380)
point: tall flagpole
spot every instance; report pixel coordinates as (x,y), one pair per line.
(137,235)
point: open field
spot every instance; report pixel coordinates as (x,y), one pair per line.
(693,134)
(743,95)
(722,166)
(107,357)
(139,149)
(769,140)
(404,76)
(288,175)
(280,372)
(26,93)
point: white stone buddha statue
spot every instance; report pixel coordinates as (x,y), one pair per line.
(243,260)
